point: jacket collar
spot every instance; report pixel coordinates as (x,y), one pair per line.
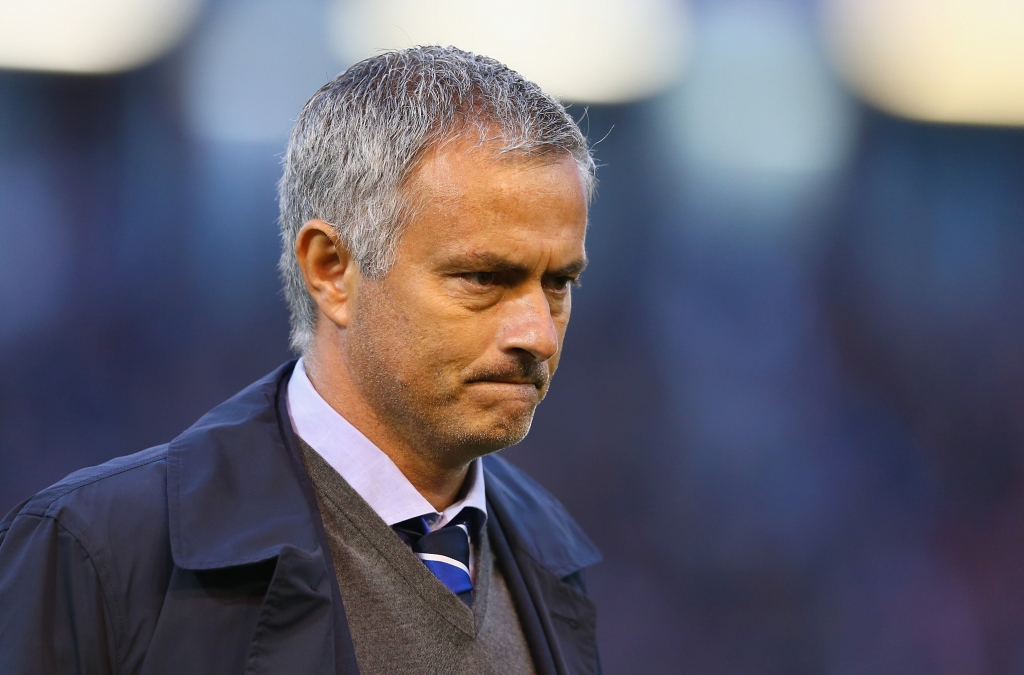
(233,488)
(235,492)
(535,522)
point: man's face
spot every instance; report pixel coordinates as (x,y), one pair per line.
(456,346)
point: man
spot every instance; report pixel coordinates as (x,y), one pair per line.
(343,514)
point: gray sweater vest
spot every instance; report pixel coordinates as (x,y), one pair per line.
(402,619)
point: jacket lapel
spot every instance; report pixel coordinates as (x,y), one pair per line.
(542,553)
(295,630)
(234,496)
(238,495)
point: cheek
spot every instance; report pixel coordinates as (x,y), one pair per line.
(451,344)
(450,329)
(422,345)
(427,333)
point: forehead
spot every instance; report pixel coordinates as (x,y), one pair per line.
(465,197)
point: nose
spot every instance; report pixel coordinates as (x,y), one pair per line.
(529,327)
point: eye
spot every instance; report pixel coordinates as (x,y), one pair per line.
(480,278)
(562,283)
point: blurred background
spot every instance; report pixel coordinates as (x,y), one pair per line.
(790,411)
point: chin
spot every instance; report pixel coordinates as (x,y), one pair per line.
(510,431)
(493,434)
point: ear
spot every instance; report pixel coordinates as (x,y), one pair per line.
(332,276)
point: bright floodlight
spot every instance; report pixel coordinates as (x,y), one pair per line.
(90,36)
(934,60)
(251,66)
(597,51)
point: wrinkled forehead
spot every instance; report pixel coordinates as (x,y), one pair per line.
(468,173)
(444,162)
(469,199)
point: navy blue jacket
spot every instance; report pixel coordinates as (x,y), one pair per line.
(207,556)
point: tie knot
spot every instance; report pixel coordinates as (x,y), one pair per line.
(446,550)
(469,519)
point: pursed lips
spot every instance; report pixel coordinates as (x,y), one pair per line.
(513,381)
(532,374)
(517,382)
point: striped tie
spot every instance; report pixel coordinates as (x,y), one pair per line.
(444,551)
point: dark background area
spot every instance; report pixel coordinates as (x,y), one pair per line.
(792,423)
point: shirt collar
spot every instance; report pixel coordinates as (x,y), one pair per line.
(364,466)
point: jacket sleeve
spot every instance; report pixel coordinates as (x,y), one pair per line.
(53,615)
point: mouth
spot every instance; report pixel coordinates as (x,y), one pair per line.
(510,380)
(506,389)
(518,393)
(528,379)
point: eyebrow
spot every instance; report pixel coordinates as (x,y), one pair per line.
(573,269)
(497,263)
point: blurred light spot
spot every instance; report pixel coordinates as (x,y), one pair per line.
(254,65)
(596,51)
(90,36)
(760,117)
(759,99)
(934,60)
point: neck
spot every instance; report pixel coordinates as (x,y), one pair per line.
(327,370)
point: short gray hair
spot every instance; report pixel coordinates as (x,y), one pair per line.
(359,138)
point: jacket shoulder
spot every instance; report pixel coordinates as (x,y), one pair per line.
(114,490)
(87,563)
(116,506)
(535,520)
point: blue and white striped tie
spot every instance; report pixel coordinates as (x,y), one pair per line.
(444,551)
